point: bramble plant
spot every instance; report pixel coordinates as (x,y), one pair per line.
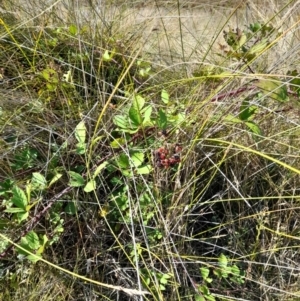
(224,271)
(134,169)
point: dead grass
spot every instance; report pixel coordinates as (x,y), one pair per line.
(234,193)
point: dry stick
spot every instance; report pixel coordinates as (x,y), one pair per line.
(232,93)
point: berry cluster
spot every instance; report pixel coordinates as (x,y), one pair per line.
(166,158)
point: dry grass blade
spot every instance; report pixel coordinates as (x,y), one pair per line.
(149,151)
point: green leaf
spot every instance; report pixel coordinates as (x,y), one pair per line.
(145,72)
(127,172)
(223,261)
(164,279)
(179,118)
(50,76)
(99,169)
(204,289)
(231,118)
(274,89)
(76,180)
(70,208)
(242,40)
(121,121)
(55,178)
(41,249)
(132,131)
(135,111)
(24,245)
(235,270)
(147,115)
(38,181)
(80,148)
(254,128)
(218,273)
(107,56)
(135,116)
(199,298)
(51,87)
(123,161)
(210,298)
(259,47)
(44,239)
(162,119)
(255,27)
(90,186)
(295,82)
(32,204)
(6,186)
(144,170)
(138,102)
(59,228)
(32,240)
(14,210)
(116,143)
(34,258)
(137,159)
(143,64)
(165,96)
(67,77)
(73,30)
(80,132)
(19,198)
(247,111)
(204,272)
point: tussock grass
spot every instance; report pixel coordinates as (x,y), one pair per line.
(146,236)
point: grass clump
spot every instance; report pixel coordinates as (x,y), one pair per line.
(135,167)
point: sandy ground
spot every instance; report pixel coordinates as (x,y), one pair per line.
(170,33)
